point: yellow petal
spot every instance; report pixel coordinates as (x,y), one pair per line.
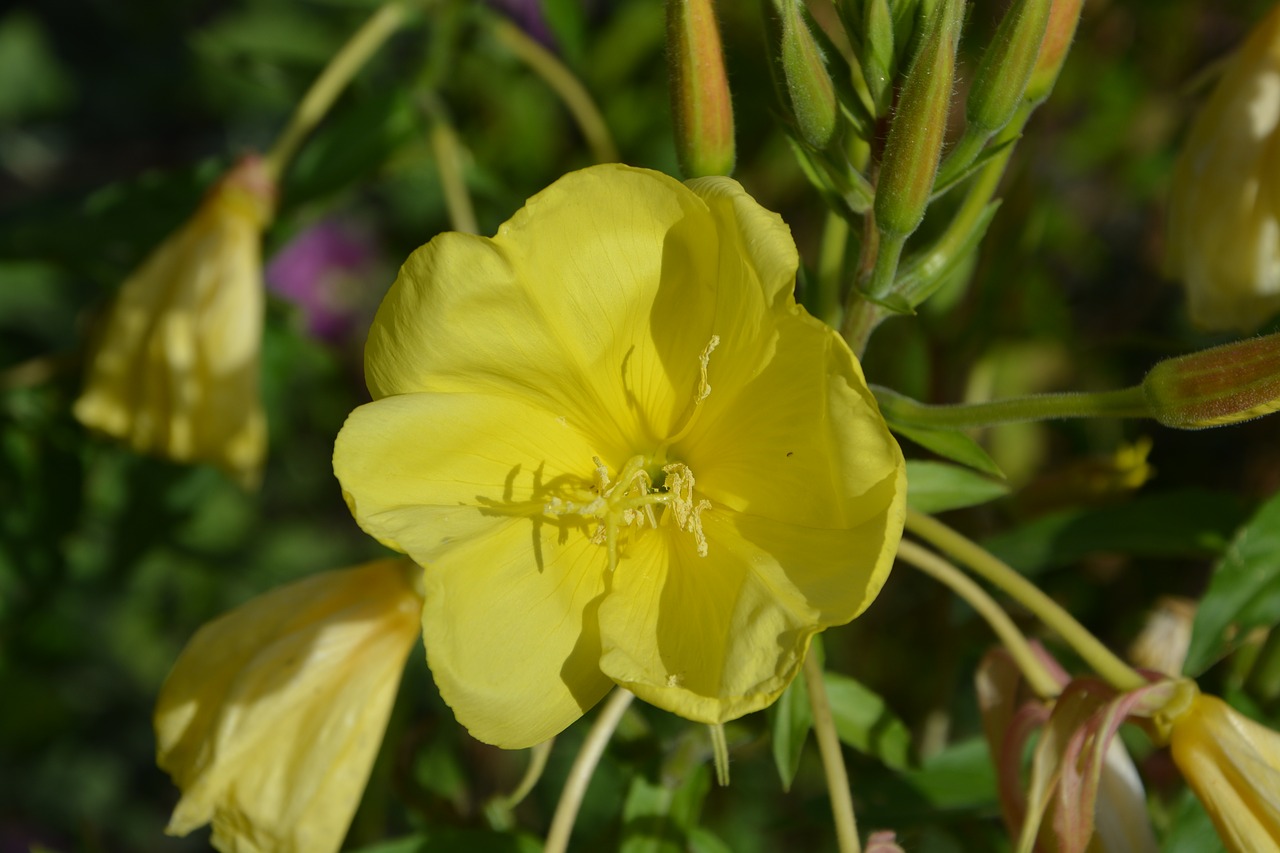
(569,300)
(1233,765)
(511,632)
(273,714)
(175,370)
(712,638)
(459,482)
(1224,208)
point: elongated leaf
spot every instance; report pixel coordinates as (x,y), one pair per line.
(961,776)
(939,486)
(1184,523)
(864,722)
(952,445)
(790,719)
(1244,593)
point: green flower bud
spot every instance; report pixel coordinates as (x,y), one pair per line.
(813,97)
(1006,66)
(1223,385)
(919,124)
(700,104)
(1061,29)
(877,55)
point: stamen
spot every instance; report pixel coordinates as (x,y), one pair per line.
(704,387)
(688,514)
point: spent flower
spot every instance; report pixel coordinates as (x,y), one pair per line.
(623,454)
(174,371)
(272,716)
(1224,208)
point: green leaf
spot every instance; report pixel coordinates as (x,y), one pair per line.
(1183,523)
(952,445)
(864,722)
(790,719)
(659,815)
(939,486)
(705,841)
(961,776)
(1244,592)
(1190,829)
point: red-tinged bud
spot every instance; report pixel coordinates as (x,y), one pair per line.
(1061,29)
(1223,385)
(700,104)
(919,125)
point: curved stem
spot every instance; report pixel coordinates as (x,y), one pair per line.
(565,84)
(1124,403)
(1105,663)
(575,787)
(448,154)
(1040,679)
(824,726)
(333,79)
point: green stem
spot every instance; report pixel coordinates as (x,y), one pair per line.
(966,552)
(499,809)
(886,269)
(584,766)
(448,153)
(824,726)
(562,81)
(961,155)
(1037,675)
(1124,403)
(315,104)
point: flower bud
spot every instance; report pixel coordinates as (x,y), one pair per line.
(1224,210)
(700,104)
(1006,66)
(1223,385)
(813,97)
(919,124)
(1059,32)
(877,56)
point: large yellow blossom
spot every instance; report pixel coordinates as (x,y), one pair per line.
(623,454)
(273,714)
(1224,212)
(175,370)
(1233,765)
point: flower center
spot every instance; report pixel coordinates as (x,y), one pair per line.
(625,505)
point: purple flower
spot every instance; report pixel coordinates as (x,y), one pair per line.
(325,270)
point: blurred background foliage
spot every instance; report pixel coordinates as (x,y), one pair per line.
(114,117)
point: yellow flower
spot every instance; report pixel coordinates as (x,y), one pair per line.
(273,714)
(1233,765)
(1224,212)
(175,371)
(623,454)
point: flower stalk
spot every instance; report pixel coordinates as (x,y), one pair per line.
(315,104)
(584,766)
(1115,671)
(824,726)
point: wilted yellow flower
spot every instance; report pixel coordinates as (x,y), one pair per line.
(623,454)
(1224,212)
(1233,765)
(273,714)
(175,371)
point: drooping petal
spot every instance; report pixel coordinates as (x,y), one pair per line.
(461,482)
(273,715)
